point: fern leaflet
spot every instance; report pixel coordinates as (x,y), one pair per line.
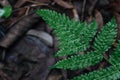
(115,57)
(79,62)
(106,37)
(109,73)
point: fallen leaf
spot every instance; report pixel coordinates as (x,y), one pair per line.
(99,19)
(118,23)
(19,29)
(45,37)
(64,4)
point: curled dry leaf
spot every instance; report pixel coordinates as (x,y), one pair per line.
(45,37)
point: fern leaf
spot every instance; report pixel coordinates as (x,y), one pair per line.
(80,43)
(109,73)
(106,36)
(69,32)
(79,62)
(74,37)
(115,57)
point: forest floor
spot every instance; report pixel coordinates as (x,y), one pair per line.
(28,44)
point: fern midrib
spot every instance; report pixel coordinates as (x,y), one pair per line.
(93,56)
(100,78)
(111,64)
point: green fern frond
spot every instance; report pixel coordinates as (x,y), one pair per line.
(115,57)
(73,36)
(80,61)
(101,45)
(109,73)
(106,36)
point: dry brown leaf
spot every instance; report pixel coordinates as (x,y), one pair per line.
(19,3)
(19,29)
(64,4)
(99,19)
(118,23)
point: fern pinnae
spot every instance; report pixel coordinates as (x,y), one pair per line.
(69,46)
(115,57)
(81,42)
(79,61)
(109,73)
(88,34)
(106,36)
(102,43)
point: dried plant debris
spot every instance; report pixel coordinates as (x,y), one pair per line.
(29,59)
(18,29)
